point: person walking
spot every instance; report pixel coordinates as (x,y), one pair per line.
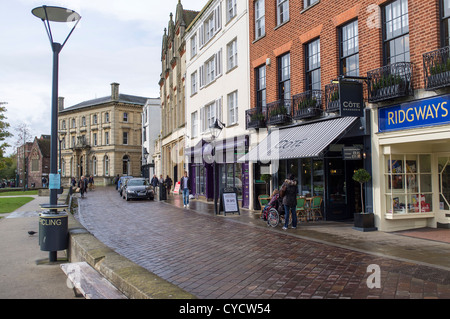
(82,186)
(289,188)
(185,186)
(154,181)
(169,183)
(91,183)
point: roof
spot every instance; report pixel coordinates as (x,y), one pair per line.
(123,98)
(44,146)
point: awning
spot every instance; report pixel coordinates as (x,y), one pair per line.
(301,141)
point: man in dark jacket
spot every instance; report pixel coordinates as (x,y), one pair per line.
(290,201)
(185,186)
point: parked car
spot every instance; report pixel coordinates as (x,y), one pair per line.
(138,188)
(121,183)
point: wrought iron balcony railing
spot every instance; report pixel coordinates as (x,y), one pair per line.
(332,101)
(255,118)
(391,81)
(307,104)
(279,112)
(81,143)
(436,67)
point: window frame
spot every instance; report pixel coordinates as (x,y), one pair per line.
(343,58)
(233,108)
(260,19)
(232,54)
(443,19)
(308,83)
(386,42)
(231,9)
(281,11)
(284,94)
(261,92)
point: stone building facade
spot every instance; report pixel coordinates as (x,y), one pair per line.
(102,137)
(172,93)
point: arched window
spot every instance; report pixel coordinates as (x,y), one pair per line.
(106,165)
(94,166)
(63,168)
(126,170)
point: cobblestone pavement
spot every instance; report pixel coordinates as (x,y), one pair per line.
(218,257)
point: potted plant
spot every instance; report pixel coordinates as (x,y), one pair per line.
(307,107)
(278,115)
(257,120)
(363,221)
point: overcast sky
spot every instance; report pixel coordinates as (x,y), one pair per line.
(115,41)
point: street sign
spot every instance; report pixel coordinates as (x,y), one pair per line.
(229,201)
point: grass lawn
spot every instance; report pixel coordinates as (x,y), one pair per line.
(8,205)
(14,193)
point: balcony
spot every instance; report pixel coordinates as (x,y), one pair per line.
(436,67)
(307,105)
(255,118)
(332,101)
(279,112)
(81,143)
(391,81)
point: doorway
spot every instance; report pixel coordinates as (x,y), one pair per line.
(343,196)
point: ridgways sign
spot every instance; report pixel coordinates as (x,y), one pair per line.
(421,113)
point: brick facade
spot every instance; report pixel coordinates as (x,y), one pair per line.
(323,19)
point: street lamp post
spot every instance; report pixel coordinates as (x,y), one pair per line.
(215,129)
(54,14)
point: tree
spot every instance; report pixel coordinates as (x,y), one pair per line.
(4,133)
(361,176)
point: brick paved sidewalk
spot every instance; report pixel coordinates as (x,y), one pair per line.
(217,257)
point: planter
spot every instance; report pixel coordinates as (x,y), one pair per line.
(364,222)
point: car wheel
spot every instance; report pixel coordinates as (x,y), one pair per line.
(126,197)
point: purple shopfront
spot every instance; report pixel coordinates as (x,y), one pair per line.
(230,172)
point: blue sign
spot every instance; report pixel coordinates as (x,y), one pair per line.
(54,181)
(426,112)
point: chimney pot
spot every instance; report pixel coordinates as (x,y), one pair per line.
(115,91)
(60,104)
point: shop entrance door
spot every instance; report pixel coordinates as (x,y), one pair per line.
(343,193)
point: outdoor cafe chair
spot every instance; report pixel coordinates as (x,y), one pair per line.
(316,211)
(263,202)
(300,208)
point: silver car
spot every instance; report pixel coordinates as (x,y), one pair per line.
(138,188)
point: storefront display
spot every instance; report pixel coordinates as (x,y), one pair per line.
(412,155)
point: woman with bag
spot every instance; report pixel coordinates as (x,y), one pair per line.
(289,191)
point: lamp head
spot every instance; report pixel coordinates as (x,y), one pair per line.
(55,14)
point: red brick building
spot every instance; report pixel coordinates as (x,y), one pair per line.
(324,21)
(37,162)
(298,51)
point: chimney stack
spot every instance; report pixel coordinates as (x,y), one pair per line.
(60,104)
(115,91)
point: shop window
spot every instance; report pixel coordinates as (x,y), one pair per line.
(444,183)
(408,184)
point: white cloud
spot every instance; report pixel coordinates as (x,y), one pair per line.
(116,41)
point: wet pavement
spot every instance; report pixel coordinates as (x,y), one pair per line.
(238,256)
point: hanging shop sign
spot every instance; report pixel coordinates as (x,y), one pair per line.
(421,113)
(351,97)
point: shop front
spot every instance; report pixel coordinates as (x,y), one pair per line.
(323,156)
(411,155)
(221,155)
